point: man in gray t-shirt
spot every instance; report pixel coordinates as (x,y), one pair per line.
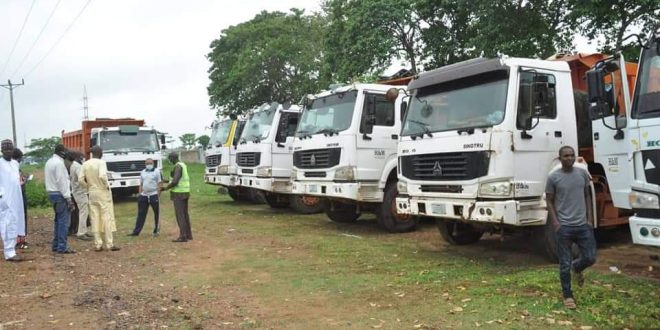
(570,213)
(150,179)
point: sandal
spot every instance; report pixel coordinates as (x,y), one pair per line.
(570,303)
(67,251)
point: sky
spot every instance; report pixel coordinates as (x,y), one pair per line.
(143,59)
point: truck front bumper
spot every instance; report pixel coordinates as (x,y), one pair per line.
(275,185)
(124,182)
(645,231)
(508,212)
(356,191)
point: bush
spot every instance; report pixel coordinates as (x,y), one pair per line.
(36,194)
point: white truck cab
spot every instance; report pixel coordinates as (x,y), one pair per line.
(125,148)
(345,151)
(264,156)
(217,153)
(479,140)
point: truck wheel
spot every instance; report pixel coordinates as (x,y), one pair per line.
(254,196)
(341,212)
(306,204)
(389,218)
(277,201)
(234,194)
(458,233)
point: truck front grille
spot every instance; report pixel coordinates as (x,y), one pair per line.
(450,166)
(213,160)
(316,158)
(248,159)
(128,166)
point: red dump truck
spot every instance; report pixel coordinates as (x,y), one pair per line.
(126,144)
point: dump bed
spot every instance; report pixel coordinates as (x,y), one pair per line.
(79,140)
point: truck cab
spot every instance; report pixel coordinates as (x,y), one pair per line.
(264,156)
(644,131)
(346,152)
(217,154)
(125,148)
(480,138)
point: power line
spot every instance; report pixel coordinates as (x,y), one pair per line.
(11,88)
(36,40)
(60,38)
(4,67)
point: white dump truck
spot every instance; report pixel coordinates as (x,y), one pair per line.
(346,152)
(264,157)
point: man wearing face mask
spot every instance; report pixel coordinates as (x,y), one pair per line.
(150,179)
(180,194)
(94,177)
(58,187)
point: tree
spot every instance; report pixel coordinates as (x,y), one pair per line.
(273,57)
(364,37)
(613,20)
(188,141)
(43,148)
(203,141)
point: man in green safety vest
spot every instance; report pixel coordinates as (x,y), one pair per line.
(180,193)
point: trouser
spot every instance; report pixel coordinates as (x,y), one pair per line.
(583,237)
(8,232)
(61,222)
(143,208)
(82,207)
(102,215)
(73,225)
(182,217)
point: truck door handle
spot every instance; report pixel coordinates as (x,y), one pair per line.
(596,136)
(558,134)
(395,136)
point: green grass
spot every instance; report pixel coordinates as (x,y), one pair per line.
(301,272)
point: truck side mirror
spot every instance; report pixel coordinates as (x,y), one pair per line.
(162,139)
(404,106)
(163,147)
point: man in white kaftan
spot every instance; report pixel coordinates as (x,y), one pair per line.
(11,202)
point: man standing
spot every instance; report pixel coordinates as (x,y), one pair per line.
(11,201)
(79,197)
(150,180)
(94,177)
(21,242)
(569,203)
(179,195)
(59,194)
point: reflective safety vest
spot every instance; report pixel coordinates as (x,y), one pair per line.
(184,183)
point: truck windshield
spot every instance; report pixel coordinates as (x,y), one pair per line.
(471,102)
(258,125)
(333,112)
(116,141)
(647,92)
(220,133)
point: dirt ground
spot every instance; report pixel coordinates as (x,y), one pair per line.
(133,289)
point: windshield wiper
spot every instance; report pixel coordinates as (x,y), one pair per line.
(303,134)
(328,131)
(242,141)
(424,126)
(470,130)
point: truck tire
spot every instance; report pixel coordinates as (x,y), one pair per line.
(306,204)
(277,201)
(389,218)
(457,233)
(234,193)
(341,212)
(254,196)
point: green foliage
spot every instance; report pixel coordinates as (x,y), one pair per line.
(188,140)
(273,57)
(203,141)
(36,194)
(43,148)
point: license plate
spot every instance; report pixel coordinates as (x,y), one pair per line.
(313,188)
(438,209)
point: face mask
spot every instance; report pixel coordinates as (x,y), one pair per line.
(149,167)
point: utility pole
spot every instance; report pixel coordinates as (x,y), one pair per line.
(11,88)
(85,107)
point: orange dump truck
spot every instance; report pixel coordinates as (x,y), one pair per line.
(126,144)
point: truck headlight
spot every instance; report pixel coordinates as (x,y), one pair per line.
(499,188)
(345,173)
(265,171)
(641,200)
(223,169)
(402,187)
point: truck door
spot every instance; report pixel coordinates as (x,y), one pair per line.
(378,136)
(540,128)
(283,147)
